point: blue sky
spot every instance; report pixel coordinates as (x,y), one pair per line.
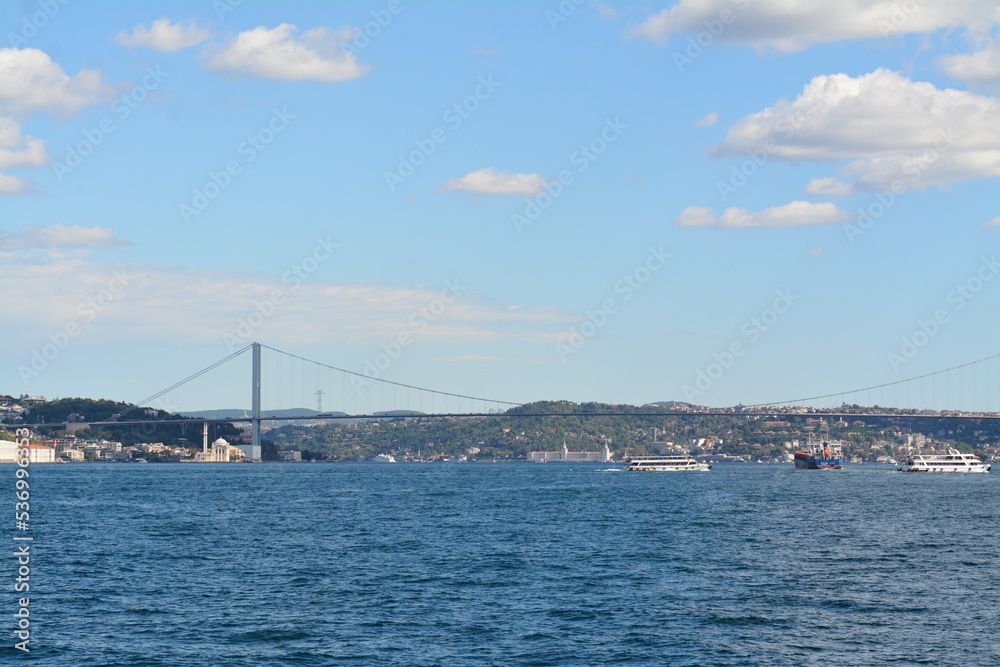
(533,200)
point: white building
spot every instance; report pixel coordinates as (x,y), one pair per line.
(36,453)
(290,455)
(220,451)
(7,449)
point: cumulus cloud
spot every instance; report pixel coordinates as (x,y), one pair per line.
(981,67)
(829,187)
(60,238)
(15,185)
(278,53)
(19,151)
(892,129)
(32,82)
(795,214)
(793,25)
(489,181)
(164,35)
(705,121)
(995,222)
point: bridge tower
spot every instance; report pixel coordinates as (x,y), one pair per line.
(255,401)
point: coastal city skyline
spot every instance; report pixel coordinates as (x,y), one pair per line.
(581,201)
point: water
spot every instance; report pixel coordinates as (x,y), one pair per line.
(507,564)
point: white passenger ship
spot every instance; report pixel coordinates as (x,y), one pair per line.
(953,461)
(665,463)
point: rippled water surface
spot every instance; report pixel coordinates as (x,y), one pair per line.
(508,564)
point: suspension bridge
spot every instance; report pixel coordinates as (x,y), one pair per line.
(282,381)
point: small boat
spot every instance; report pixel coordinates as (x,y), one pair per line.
(825,455)
(665,463)
(953,461)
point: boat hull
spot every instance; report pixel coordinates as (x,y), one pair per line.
(933,468)
(819,464)
(652,468)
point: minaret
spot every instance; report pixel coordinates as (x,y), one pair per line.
(204,440)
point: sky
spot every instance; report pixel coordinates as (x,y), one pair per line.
(712,201)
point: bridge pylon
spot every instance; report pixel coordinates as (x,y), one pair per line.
(255,401)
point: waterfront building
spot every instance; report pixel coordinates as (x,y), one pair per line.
(220,451)
(575,457)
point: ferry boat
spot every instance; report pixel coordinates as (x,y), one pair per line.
(953,461)
(383,458)
(665,463)
(820,456)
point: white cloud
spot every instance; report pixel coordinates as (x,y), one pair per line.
(829,187)
(164,35)
(19,151)
(893,130)
(982,66)
(277,53)
(489,181)
(995,222)
(61,237)
(32,82)
(793,25)
(15,185)
(795,214)
(201,306)
(705,121)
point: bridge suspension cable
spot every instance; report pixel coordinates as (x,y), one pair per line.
(178,384)
(369,378)
(877,386)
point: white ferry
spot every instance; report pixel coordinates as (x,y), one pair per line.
(665,463)
(953,461)
(383,458)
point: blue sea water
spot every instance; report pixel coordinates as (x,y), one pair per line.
(506,564)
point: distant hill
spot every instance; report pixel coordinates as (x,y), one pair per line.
(238,414)
(671,404)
